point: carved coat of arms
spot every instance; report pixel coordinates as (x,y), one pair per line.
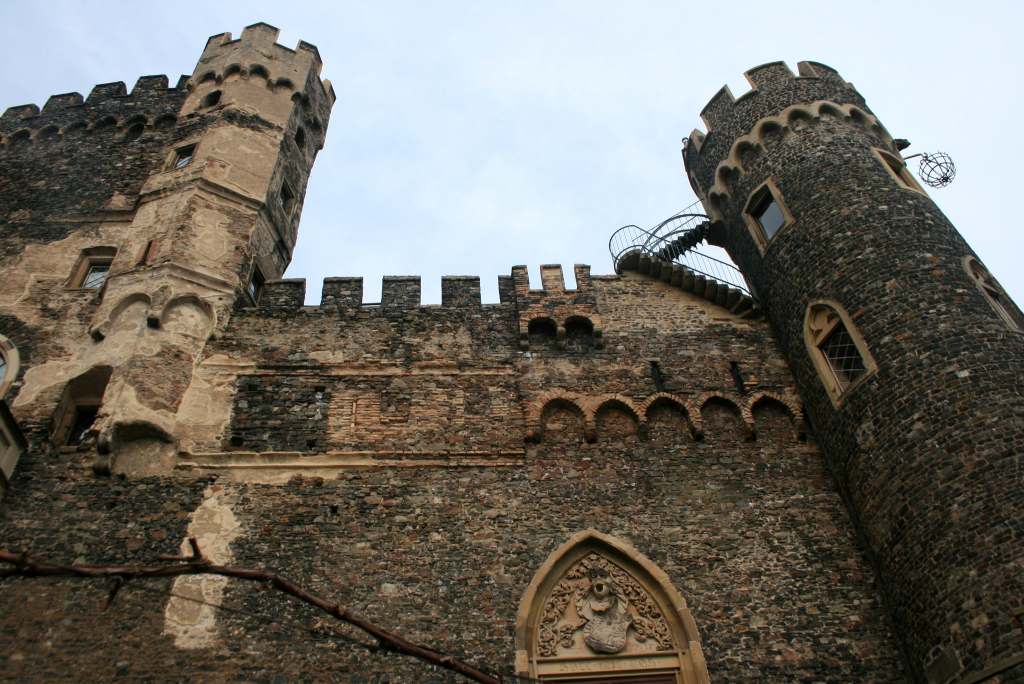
(601,602)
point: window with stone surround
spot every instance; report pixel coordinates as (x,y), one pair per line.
(9,364)
(93,268)
(79,406)
(183,156)
(766,214)
(255,285)
(897,168)
(995,295)
(837,349)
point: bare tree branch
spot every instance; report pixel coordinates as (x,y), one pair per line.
(22,565)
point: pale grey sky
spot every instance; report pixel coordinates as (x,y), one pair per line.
(469,137)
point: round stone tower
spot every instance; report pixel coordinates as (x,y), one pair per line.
(908,354)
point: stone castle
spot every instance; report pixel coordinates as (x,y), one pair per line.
(813,472)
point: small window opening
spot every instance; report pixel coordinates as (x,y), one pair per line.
(49,133)
(96,275)
(255,286)
(211,99)
(657,375)
(79,407)
(287,198)
(898,169)
(93,268)
(166,121)
(579,333)
(134,131)
(996,295)
(258,70)
(737,377)
(3,367)
(300,138)
(542,333)
(85,416)
(148,254)
(105,124)
(21,137)
(768,214)
(183,156)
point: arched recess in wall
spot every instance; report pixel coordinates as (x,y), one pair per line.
(10,364)
(598,610)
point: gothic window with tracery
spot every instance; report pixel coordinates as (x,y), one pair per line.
(839,353)
(995,295)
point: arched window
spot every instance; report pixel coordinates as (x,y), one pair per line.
(9,365)
(599,611)
(837,349)
(995,294)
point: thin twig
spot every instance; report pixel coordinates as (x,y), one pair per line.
(197,564)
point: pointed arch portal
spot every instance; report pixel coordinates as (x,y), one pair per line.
(600,612)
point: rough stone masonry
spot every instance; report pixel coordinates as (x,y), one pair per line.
(612,483)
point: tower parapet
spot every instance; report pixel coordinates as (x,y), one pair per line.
(908,364)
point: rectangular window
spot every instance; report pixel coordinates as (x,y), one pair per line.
(255,287)
(769,215)
(183,156)
(95,275)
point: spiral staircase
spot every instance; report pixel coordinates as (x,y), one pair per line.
(669,253)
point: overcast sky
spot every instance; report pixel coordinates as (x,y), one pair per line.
(472,136)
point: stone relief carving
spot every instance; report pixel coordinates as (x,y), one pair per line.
(607,606)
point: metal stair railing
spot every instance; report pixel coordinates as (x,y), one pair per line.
(674,240)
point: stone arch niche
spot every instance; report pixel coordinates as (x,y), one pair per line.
(599,611)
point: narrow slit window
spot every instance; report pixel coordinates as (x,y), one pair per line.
(287,198)
(255,286)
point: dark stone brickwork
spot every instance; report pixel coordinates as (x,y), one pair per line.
(928,450)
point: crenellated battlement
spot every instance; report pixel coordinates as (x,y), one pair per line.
(256,53)
(109,106)
(774,87)
(400,293)
(739,129)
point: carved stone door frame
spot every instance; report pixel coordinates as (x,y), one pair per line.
(661,639)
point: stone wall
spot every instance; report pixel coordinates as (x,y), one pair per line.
(418,465)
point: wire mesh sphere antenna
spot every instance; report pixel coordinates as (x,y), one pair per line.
(937,169)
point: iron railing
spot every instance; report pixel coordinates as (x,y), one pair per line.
(675,240)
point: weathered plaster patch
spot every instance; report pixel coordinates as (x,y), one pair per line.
(192,624)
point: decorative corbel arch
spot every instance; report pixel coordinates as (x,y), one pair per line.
(796,414)
(746,417)
(598,610)
(692,414)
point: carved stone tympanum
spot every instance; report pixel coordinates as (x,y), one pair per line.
(599,606)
